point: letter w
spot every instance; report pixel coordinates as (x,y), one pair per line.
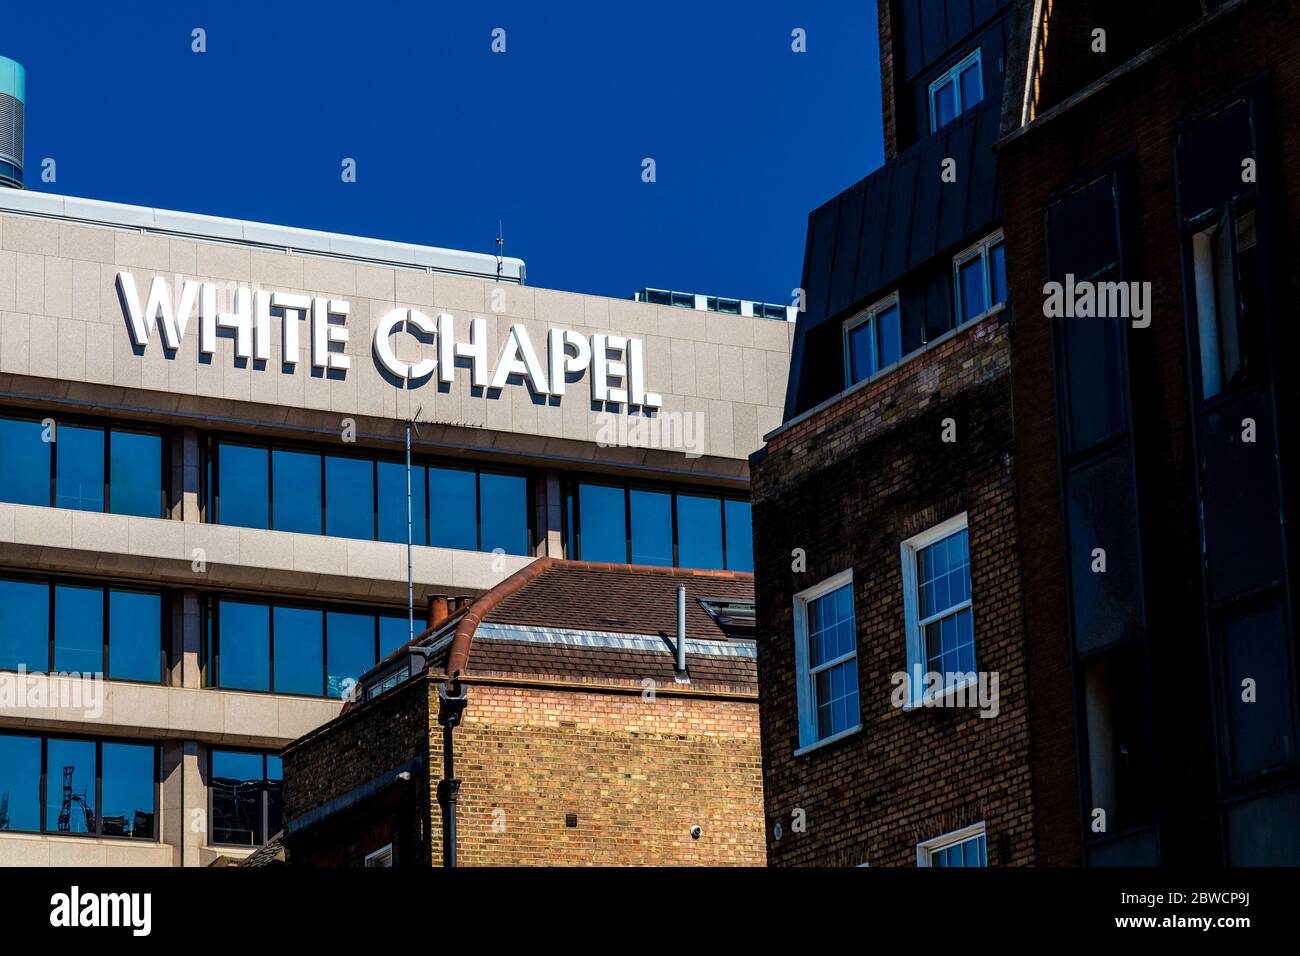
(157,310)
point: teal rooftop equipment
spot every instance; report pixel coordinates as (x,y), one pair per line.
(13,83)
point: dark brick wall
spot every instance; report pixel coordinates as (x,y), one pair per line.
(1138,112)
(848,484)
(350,752)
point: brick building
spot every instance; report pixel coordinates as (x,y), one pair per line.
(884,505)
(581,742)
(1154,452)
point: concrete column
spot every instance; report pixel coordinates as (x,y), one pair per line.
(187,639)
(191,477)
(183,793)
(550,511)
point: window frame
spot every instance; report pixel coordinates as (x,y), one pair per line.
(265,801)
(387,852)
(805,677)
(107,425)
(926,848)
(953,75)
(983,250)
(212,469)
(869,315)
(212,639)
(572,512)
(42,777)
(914,625)
(105,587)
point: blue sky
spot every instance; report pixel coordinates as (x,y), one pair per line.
(449,137)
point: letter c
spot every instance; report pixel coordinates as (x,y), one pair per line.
(384,347)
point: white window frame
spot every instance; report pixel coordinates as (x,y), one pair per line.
(868,315)
(924,849)
(914,626)
(806,686)
(383,857)
(953,75)
(980,249)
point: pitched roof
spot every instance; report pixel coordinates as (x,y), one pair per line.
(592,622)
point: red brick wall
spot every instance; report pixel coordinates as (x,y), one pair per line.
(638,773)
(1138,112)
(848,485)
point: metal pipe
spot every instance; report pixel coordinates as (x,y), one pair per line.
(681,629)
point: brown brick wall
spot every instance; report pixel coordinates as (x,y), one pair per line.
(888,84)
(638,773)
(1137,112)
(848,485)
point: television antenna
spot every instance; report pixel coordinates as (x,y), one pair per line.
(412,425)
(501,248)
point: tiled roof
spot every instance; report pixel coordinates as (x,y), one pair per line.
(621,598)
(602,623)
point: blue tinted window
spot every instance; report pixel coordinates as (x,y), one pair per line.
(24,625)
(350,650)
(503,511)
(945,103)
(394,632)
(652,527)
(20,782)
(862,352)
(298,665)
(392,503)
(243,495)
(972,89)
(740,536)
(79,467)
(350,498)
(134,635)
(889,336)
(699,532)
(453,512)
(78,629)
(604,523)
(295,501)
(70,766)
(129,791)
(970,278)
(998,273)
(24,463)
(245,651)
(238,784)
(135,474)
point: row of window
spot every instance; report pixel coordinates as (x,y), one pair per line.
(310,491)
(623,523)
(873,338)
(939,626)
(70,627)
(81,466)
(109,788)
(351,496)
(68,785)
(295,649)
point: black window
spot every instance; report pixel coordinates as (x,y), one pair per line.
(1119,760)
(247,797)
(80,778)
(74,627)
